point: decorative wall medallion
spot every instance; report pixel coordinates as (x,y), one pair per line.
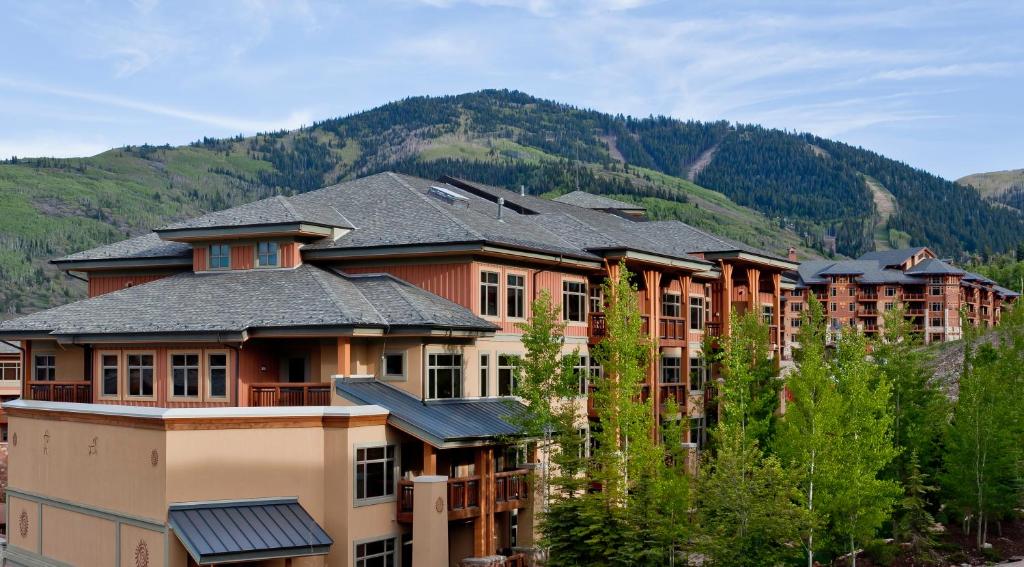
(141,554)
(46,442)
(23,524)
(154,458)
(93,445)
(439,505)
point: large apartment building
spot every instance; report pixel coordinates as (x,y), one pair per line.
(933,292)
(323,379)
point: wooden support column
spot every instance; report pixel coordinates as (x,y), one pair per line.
(27,370)
(684,361)
(726,297)
(777,315)
(429,460)
(754,288)
(481,536)
(652,280)
(345,356)
(487,482)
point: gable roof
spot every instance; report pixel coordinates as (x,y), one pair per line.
(442,423)
(934,266)
(232,305)
(891,257)
(600,202)
(816,272)
(146,247)
(276,210)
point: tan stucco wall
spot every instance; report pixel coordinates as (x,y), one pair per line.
(137,543)
(70,360)
(18,510)
(77,539)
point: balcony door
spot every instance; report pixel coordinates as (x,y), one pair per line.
(296,369)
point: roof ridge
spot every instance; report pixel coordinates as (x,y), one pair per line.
(317,273)
(288,207)
(436,207)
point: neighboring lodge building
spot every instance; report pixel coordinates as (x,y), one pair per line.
(319,379)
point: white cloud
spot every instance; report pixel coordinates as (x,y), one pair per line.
(233,124)
(52,144)
(944,71)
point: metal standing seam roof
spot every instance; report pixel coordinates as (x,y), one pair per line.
(246,530)
(442,423)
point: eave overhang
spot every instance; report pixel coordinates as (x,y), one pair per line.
(647,257)
(308,230)
(448,249)
(752,258)
(123,263)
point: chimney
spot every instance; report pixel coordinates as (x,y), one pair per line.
(522,190)
(501,205)
(792,254)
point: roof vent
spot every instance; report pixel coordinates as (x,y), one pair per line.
(522,190)
(449,196)
(501,207)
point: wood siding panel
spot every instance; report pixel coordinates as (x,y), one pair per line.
(200,260)
(99,285)
(450,281)
(290,256)
(243,257)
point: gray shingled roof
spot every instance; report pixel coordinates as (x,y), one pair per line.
(141,247)
(600,202)
(237,301)
(9,348)
(814,272)
(438,422)
(270,211)
(934,266)
(1005,292)
(239,530)
(891,257)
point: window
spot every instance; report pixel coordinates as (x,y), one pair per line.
(833,292)
(375,472)
(698,373)
(671,370)
(796,293)
(267,254)
(697,431)
(140,375)
(596,301)
(796,307)
(889,306)
(515,292)
(768,314)
(671,305)
(795,322)
(584,450)
(935,280)
(697,313)
(937,337)
(110,374)
(936,290)
(185,375)
(10,370)
(936,322)
(574,295)
(393,364)
(489,294)
(853,307)
(935,307)
(46,367)
(217,365)
(595,371)
(832,306)
(890,292)
(220,256)
(582,372)
(506,374)
(380,553)
(485,374)
(444,376)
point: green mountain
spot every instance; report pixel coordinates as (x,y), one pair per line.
(769,188)
(1003,187)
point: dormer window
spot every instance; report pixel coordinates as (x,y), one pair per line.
(267,254)
(220,256)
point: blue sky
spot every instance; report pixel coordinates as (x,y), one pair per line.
(936,84)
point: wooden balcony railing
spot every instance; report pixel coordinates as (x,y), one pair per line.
(713,329)
(672,329)
(673,394)
(516,560)
(597,326)
(75,392)
(511,490)
(913,297)
(271,394)
(867,296)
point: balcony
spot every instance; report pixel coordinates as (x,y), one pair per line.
(870,327)
(597,326)
(714,329)
(672,331)
(274,394)
(915,311)
(865,311)
(673,394)
(511,491)
(74,392)
(645,394)
(867,296)
(913,297)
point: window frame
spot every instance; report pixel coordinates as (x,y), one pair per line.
(697,323)
(512,368)
(200,370)
(890,291)
(484,368)
(702,368)
(276,253)
(677,303)
(581,296)
(582,372)
(208,373)
(485,290)
(385,375)
(119,377)
(210,256)
(395,549)
(520,313)
(127,375)
(457,384)
(395,470)
(36,366)
(678,369)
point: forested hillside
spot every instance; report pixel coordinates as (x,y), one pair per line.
(767,187)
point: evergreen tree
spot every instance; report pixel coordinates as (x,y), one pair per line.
(914,522)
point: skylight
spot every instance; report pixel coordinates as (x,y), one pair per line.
(447,195)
